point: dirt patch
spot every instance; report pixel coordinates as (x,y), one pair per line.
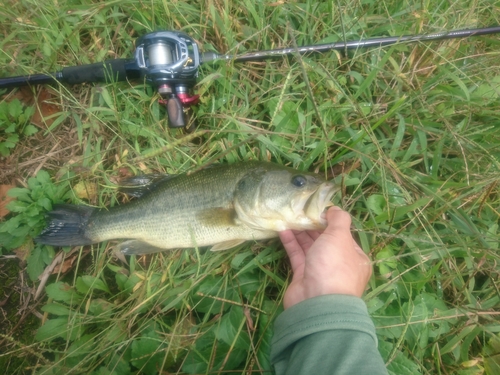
(19,317)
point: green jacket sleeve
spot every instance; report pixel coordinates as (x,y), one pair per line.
(331,334)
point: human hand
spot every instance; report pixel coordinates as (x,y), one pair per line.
(325,263)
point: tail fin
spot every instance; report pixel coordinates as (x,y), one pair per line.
(66,226)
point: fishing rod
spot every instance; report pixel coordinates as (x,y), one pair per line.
(169,61)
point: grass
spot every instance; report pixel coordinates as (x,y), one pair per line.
(410,132)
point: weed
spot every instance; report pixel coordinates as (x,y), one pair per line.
(31,204)
(410,132)
(14,123)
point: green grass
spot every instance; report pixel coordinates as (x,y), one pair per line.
(411,132)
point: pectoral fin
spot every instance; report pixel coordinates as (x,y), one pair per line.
(136,247)
(226,245)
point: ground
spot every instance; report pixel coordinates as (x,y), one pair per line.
(409,132)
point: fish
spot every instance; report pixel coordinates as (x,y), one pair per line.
(220,206)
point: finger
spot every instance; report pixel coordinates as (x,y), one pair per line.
(306,238)
(314,234)
(365,259)
(294,251)
(339,226)
(338,220)
(358,249)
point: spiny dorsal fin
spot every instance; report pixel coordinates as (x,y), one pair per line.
(138,186)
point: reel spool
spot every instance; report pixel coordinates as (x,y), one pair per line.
(169,61)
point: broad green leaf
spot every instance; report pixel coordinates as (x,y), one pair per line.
(230,329)
(45,203)
(147,354)
(265,331)
(87,282)
(61,291)
(43,177)
(59,327)
(102,308)
(56,309)
(400,364)
(15,108)
(17,206)
(388,261)
(22,194)
(376,203)
(79,349)
(36,265)
(30,130)
(208,355)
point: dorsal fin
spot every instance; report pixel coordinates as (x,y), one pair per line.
(138,186)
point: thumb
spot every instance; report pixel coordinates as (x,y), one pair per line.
(339,222)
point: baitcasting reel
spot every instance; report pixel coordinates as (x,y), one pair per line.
(169,61)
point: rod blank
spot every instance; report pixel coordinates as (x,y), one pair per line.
(363,43)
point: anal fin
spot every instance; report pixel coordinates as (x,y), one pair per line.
(137,247)
(225,245)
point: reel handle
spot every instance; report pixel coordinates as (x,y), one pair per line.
(175,112)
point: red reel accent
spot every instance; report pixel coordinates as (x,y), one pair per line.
(188,100)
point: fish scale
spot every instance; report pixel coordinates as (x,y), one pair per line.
(221,206)
(167,213)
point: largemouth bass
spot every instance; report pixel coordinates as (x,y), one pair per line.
(220,206)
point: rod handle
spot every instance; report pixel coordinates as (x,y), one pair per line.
(107,71)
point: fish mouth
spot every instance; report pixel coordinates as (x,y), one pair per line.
(315,204)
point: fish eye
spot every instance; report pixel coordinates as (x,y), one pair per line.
(299,181)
